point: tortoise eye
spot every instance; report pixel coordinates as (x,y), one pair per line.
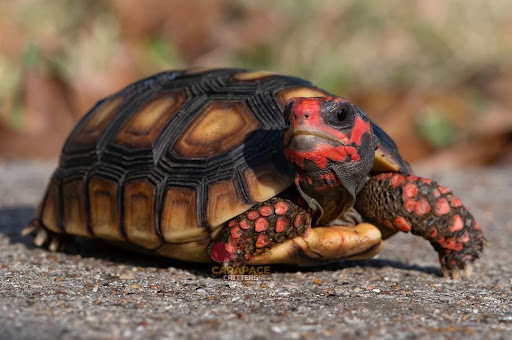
(341,116)
(342,113)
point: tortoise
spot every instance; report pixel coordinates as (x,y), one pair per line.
(244,167)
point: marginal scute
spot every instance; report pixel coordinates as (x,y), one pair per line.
(51,207)
(384,163)
(179,221)
(221,127)
(284,95)
(142,130)
(256,75)
(266,181)
(139,214)
(195,251)
(94,125)
(224,202)
(103,202)
(75,213)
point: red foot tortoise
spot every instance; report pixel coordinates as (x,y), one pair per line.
(244,167)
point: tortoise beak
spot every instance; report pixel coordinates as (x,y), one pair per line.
(308,139)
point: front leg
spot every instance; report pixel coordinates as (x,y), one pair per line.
(278,231)
(421,206)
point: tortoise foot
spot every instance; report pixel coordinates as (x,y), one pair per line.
(45,238)
(421,206)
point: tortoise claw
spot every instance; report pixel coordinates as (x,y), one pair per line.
(41,237)
(468,268)
(46,238)
(455,272)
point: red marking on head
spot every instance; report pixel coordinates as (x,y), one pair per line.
(441,207)
(232,223)
(436,193)
(297,221)
(427,181)
(262,241)
(410,190)
(409,205)
(266,210)
(320,155)
(305,109)
(456,224)
(401,224)
(261,224)
(397,180)
(281,208)
(412,178)
(244,224)
(360,128)
(218,252)
(456,202)
(443,190)
(236,232)
(422,207)
(281,224)
(252,215)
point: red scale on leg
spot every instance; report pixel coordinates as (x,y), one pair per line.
(397,180)
(297,221)
(230,248)
(252,215)
(261,224)
(281,224)
(266,210)
(441,207)
(455,224)
(401,224)
(262,241)
(281,208)
(464,238)
(383,176)
(410,190)
(456,202)
(443,190)
(244,224)
(422,207)
(410,205)
(236,232)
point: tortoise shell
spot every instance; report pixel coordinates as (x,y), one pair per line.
(165,162)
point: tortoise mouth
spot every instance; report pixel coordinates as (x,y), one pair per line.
(309,140)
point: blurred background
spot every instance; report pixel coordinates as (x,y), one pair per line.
(436,74)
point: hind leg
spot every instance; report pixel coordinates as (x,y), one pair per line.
(45,238)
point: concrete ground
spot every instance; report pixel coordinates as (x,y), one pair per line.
(95,292)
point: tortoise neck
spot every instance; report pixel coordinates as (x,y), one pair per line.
(325,194)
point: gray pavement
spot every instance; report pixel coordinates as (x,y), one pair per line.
(93,291)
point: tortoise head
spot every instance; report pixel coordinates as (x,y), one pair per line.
(330,144)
